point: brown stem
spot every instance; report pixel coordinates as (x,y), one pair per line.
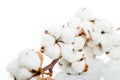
(48,67)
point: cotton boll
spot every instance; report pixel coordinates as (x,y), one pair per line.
(47,40)
(79,43)
(84,14)
(94,70)
(63,64)
(29,59)
(53,51)
(23,74)
(67,35)
(13,67)
(70,55)
(103,27)
(78,66)
(55,31)
(114,53)
(111,70)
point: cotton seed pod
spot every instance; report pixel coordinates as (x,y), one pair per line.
(47,40)
(29,59)
(53,51)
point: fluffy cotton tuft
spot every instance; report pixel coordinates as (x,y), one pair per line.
(114,53)
(56,31)
(79,67)
(79,43)
(47,40)
(67,35)
(23,74)
(94,70)
(70,55)
(29,59)
(85,14)
(111,70)
(13,67)
(53,51)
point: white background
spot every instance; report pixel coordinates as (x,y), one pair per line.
(22,22)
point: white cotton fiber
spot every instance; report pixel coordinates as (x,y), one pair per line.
(67,35)
(117,40)
(111,70)
(107,42)
(75,23)
(94,70)
(64,76)
(103,25)
(53,51)
(23,74)
(29,59)
(63,64)
(70,55)
(69,70)
(114,53)
(55,31)
(78,66)
(47,40)
(85,14)
(79,43)
(13,67)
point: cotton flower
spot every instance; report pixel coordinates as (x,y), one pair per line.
(29,59)
(23,74)
(53,51)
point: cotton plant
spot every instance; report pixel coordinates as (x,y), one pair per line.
(75,46)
